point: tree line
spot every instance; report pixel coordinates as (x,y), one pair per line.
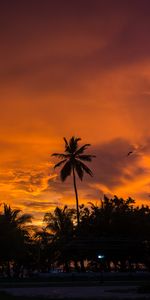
(116,230)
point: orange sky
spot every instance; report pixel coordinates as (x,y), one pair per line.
(74,68)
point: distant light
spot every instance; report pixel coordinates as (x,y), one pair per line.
(100,256)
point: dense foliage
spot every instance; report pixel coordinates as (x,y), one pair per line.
(116,230)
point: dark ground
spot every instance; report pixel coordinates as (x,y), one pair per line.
(78,286)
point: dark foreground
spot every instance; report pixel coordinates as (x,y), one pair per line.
(97,292)
(107,287)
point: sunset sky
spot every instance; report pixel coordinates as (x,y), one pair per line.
(81,68)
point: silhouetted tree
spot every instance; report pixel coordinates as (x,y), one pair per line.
(43,244)
(116,229)
(72,161)
(13,234)
(60,224)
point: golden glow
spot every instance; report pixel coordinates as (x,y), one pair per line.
(63,74)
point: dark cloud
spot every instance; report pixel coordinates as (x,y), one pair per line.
(112,162)
(41,204)
(122,27)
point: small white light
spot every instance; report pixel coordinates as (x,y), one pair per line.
(100,256)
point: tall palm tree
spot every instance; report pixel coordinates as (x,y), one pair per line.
(72,161)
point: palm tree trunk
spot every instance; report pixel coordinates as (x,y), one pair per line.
(76,194)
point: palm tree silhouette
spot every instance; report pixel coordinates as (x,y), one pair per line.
(60,224)
(14,218)
(72,161)
(14,235)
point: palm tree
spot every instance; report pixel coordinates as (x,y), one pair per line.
(13,217)
(60,224)
(14,235)
(72,161)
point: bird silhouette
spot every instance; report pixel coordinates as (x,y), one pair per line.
(129,153)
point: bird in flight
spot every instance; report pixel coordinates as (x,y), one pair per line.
(129,153)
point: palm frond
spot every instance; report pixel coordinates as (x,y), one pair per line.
(65,208)
(60,155)
(67,148)
(66,170)
(82,149)
(25,218)
(15,213)
(86,157)
(73,144)
(47,217)
(60,163)
(11,214)
(79,169)
(86,169)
